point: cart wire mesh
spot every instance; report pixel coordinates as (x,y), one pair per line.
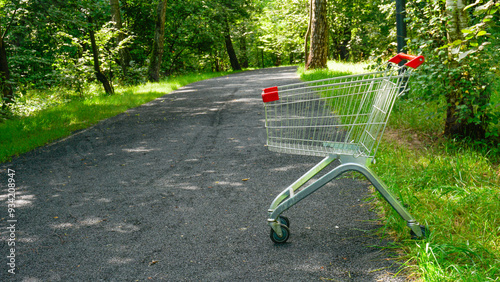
(344,115)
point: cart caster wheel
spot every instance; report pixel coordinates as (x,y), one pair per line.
(284,220)
(280,240)
(425,233)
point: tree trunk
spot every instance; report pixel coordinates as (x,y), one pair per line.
(97,67)
(243,51)
(7,92)
(123,51)
(262,57)
(318,54)
(344,52)
(235,65)
(157,52)
(308,34)
(459,110)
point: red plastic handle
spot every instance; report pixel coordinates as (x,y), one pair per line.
(413,61)
(270,94)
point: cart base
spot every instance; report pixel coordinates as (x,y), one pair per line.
(289,197)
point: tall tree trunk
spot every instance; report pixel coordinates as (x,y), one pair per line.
(277,62)
(243,51)
(318,54)
(123,51)
(6,88)
(157,52)
(344,52)
(235,65)
(308,34)
(97,67)
(456,124)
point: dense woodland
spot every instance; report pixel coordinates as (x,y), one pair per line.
(69,46)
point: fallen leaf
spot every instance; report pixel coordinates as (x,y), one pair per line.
(153,262)
(245,179)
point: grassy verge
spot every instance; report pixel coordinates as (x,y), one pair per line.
(452,187)
(34,128)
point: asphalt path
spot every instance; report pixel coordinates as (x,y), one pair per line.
(178,190)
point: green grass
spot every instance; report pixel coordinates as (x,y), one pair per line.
(334,69)
(453,187)
(57,115)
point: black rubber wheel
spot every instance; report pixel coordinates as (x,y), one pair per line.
(425,233)
(284,220)
(280,240)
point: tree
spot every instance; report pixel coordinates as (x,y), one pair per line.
(7,93)
(158,44)
(361,28)
(469,96)
(123,50)
(280,27)
(318,53)
(460,43)
(308,33)
(233,59)
(108,88)
(5,84)
(227,14)
(458,20)
(243,47)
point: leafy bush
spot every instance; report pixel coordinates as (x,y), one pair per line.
(463,72)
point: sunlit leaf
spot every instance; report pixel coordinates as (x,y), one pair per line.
(472,5)
(481,33)
(463,55)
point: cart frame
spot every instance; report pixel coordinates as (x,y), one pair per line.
(303,118)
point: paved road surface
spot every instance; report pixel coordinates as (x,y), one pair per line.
(159,193)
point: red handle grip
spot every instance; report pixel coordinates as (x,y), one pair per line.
(413,61)
(270,94)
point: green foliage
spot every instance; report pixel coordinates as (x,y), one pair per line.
(463,72)
(360,29)
(282,26)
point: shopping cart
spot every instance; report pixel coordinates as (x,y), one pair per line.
(341,118)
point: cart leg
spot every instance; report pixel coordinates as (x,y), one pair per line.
(290,190)
(418,231)
(289,193)
(348,164)
(302,194)
(391,199)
